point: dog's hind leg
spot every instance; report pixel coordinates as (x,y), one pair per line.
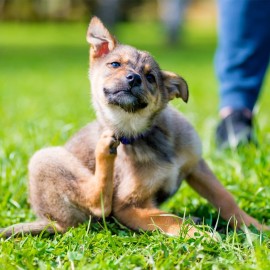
(64,190)
(151,218)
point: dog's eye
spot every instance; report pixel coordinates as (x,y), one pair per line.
(150,78)
(115,64)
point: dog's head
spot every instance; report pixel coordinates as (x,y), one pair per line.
(128,87)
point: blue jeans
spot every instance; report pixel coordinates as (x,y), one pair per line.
(243,51)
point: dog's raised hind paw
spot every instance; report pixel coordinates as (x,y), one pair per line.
(107,144)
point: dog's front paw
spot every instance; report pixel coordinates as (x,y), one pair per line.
(107,143)
(253,222)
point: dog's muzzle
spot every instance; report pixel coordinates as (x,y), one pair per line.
(134,79)
(130,99)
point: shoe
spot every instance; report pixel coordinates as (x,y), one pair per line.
(234,130)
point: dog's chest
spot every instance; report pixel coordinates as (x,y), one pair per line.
(147,173)
(139,183)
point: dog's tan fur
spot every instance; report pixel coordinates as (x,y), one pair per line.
(95,175)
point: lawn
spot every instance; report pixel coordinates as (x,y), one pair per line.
(44,99)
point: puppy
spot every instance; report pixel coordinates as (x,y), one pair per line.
(131,159)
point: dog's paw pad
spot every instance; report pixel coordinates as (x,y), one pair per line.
(108,141)
(113,146)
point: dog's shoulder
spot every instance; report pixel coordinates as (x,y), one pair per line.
(181,132)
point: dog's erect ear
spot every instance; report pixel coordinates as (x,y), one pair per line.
(175,85)
(102,42)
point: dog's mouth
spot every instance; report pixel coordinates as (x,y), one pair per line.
(130,100)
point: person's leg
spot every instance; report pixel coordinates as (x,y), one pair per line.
(242,55)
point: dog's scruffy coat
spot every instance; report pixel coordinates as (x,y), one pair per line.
(132,158)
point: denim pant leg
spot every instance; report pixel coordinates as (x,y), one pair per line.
(243,51)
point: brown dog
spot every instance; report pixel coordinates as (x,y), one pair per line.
(132,158)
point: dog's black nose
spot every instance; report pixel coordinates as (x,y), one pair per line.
(134,79)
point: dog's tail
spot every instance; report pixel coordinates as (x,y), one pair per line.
(34,228)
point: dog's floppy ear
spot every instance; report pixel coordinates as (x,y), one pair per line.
(176,86)
(102,42)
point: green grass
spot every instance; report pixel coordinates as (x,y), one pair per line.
(44,99)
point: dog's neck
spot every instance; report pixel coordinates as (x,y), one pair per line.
(130,140)
(128,127)
(127,138)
